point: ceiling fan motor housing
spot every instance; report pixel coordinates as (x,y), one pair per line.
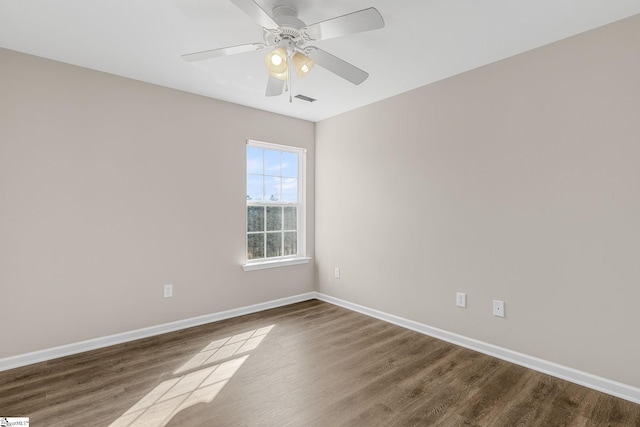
(289,28)
(287,16)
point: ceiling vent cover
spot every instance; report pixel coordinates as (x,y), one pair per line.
(305,98)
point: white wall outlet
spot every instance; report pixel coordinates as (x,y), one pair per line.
(336,272)
(168,291)
(461,299)
(498,308)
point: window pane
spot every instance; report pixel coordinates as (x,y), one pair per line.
(290,190)
(272,188)
(255,218)
(290,243)
(254,160)
(290,218)
(274,244)
(274,218)
(255,187)
(272,163)
(255,246)
(289,164)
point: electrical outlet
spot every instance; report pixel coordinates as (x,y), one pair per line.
(498,308)
(461,300)
(336,272)
(168,291)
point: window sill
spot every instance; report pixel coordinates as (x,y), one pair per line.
(275,263)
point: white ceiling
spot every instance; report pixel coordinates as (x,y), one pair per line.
(423,41)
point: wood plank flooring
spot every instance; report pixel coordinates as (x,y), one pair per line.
(307,364)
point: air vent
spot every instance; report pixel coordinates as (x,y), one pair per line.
(305,98)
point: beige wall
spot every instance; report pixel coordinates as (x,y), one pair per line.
(111,188)
(517,181)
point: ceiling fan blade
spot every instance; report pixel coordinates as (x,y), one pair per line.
(274,86)
(225,51)
(356,22)
(256,13)
(336,65)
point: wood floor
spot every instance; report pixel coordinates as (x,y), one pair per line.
(307,364)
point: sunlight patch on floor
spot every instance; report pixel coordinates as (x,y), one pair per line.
(225,348)
(202,383)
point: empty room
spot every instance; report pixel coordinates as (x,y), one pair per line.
(319,213)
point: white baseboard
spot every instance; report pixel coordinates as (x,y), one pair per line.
(92,344)
(595,382)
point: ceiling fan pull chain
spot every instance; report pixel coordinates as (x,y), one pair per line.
(289,75)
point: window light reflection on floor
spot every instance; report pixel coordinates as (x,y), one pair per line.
(203,380)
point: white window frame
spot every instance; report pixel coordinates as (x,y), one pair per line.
(300,257)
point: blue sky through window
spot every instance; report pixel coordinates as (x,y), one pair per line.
(272,175)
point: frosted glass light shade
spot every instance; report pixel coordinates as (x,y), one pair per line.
(281,76)
(303,64)
(276,61)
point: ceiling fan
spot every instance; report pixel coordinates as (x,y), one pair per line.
(290,37)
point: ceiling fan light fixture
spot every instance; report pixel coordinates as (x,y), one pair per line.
(303,64)
(288,37)
(276,61)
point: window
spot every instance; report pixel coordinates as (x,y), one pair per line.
(275,205)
